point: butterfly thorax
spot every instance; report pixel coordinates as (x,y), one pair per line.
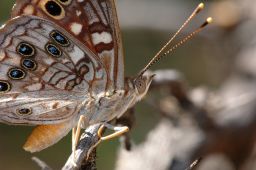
(108,105)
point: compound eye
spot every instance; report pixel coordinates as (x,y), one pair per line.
(140,85)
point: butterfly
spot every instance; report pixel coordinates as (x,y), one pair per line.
(62,67)
(60,60)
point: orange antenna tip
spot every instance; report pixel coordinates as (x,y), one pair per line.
(200,7)
(209,20)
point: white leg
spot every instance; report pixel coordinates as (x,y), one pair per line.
(73,136)
(76,132)
(119,130)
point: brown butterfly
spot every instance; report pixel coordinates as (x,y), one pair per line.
(61,67)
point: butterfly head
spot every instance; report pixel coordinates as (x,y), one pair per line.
(142,83)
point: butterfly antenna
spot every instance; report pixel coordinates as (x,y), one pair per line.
(187,38)
(158,55)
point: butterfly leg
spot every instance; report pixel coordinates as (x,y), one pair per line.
(73,136)
(76,132)
(118,132)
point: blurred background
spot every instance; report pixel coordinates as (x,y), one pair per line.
(224,50)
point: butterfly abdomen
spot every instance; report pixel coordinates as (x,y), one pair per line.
(44,136)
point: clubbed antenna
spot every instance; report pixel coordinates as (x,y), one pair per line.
(160,54)
(191,35)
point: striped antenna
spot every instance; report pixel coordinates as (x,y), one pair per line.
(190,36)
(160,54)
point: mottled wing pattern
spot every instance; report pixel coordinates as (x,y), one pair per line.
(45,73)
(92,22)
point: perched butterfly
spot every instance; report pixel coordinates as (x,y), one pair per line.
(61,67)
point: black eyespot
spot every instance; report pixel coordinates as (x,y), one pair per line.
(26,49)
(24,111)
(4,86)
(53,8)
(53,50)
(29,64)
(16,74)
(59,38)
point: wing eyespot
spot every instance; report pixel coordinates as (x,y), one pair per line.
(59,38)
(53,50)
(53,9)
(4,86)
(26,49)
(29,64)
(16,74)
(24,111)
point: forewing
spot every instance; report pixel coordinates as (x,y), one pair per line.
(92,22)
(66,73)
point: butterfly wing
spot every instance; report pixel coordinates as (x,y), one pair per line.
(92,22)
(45,73)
